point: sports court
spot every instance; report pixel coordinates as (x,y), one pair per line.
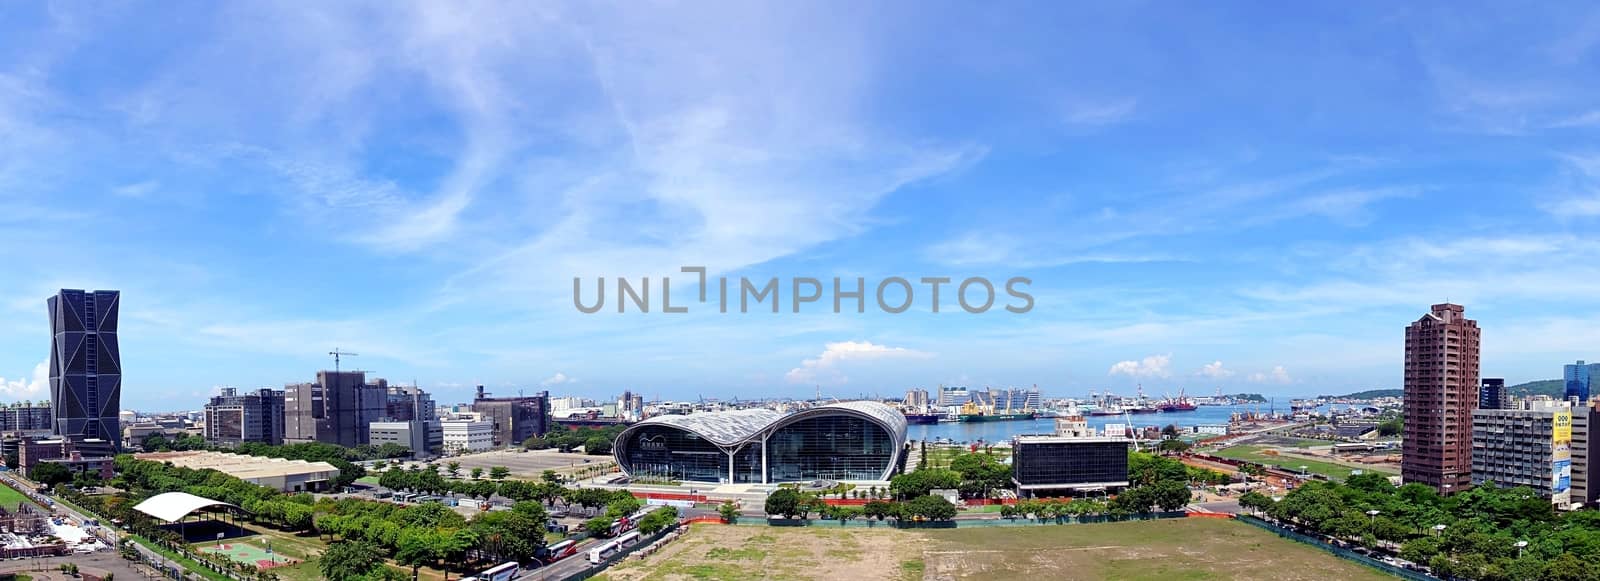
(247,552)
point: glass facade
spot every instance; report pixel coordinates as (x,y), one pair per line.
(1067,463)
(832,447)
(673,453)
(848,441)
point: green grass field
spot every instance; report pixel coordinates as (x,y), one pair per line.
(1293,463)
(1165,550)
(9,497)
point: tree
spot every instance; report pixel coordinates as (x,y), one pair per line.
(1255,502)
(981,474)
(877,509)
(454,468)
(599,526)
(499,473)
(930,507)
(1173,446)
(416,548)
(50,473)
(728,511)
(349,560)
(477,472)
(1170,496)
(657,520)
(784,502)
(1170,431)
(550,476)
(920,482)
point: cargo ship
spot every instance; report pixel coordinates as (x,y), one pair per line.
(983,417)
(1182,403)
(975,413)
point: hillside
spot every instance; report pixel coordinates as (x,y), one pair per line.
(1551,387)
(1372,393)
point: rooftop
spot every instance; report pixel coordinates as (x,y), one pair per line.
(242,466)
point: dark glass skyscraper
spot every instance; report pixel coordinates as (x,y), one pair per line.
(85,364)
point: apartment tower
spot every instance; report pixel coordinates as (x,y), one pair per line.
(1441,391)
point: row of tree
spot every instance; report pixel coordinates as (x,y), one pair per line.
(793,504)
(1469,535)
(594,441)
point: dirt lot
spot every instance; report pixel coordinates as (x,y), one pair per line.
(1153,550)
(743,552)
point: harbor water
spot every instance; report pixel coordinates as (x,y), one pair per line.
(998,432)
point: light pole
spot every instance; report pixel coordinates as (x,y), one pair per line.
(1520,546)
(1438,530)
(1372,523)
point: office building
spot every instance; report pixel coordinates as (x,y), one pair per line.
(85,364)
(917,398)
(78,454)
(336,409)
(949,396)
(464,436)
(1441,390)
(1577,380)
(850,441)
(423,437)
(233,418)
(1585,455)
(1071,461)
(26,417)
(1529,446)
(515,418)
(1492,394)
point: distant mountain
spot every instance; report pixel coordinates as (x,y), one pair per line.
(1372,393)
(1551,387)
(1249,397)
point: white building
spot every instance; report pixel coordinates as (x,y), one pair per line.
(467,436)
(1212,429)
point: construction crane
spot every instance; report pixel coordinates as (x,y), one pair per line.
(336,353)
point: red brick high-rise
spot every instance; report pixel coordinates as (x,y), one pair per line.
(1441,390)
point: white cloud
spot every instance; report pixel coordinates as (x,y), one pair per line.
(1278,375)
(557,379)
(1215,370)
(1152,366)
(136,190)
(825,368)
(35,388)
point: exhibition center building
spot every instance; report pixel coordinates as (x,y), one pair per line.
(848,441)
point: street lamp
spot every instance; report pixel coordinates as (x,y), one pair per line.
(1438,529)
(1520,546)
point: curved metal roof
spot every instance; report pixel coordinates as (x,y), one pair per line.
(173,506)
(888,416)
(727,428)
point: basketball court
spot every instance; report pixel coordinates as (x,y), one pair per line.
(249,551)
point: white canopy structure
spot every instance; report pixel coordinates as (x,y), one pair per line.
(173,506)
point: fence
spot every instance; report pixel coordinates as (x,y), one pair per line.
(1340,552)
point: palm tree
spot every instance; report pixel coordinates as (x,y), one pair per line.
(454,468)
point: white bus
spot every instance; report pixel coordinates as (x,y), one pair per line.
(501,572)
(600,553)
(628,539)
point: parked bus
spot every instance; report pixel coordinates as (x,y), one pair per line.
(628,539)
(560,551)
(501,572)
(604,550)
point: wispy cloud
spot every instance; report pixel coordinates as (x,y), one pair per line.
(1098,113)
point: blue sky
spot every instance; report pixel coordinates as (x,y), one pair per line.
(1249,196)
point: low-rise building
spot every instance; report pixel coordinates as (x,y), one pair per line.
(279,473)
(462,436)
(424,438)
(1071,461)
(1530,445)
